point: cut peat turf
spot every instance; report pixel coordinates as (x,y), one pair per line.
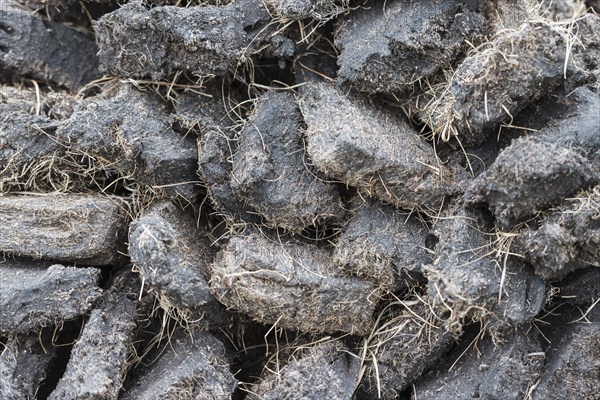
(486,370)
(271,173)
(172,255)
(32,47)
(322,371)
(474,271)
(99,359)
(83,229)
(33,295)
(200,40)
(388,47)
(24,362)
(383,244)
(376,151)
(501,78)
(299,199)
(128,131)
(191,366)
(291,284)
(568,239)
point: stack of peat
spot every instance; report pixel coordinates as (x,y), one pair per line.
(299,199)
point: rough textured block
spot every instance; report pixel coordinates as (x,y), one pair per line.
(389,47)
(86,229)
(324,371)
(138,42)
(383,244)
(291,284)
(408,340)
(355,142)
(192,366)
(47,51)
(129,132)
(271,174)
(504,371)
(540,171)
(24,362)
(99,358)
(473,272)
(32,296)
(530,176)
(24,143)
(497,82)
(172,255)
(568,239)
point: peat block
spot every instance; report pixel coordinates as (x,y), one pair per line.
(136,42)
(172,255)
(323,371)
(540,171)
(351,140)
(24,362)
(408,340)
(99,358)
(24,141)
(387,47)
(192,366)
(487,370)
(217,144)
(383,244)
(33,296)
(291,284)
(271,174)
(515,69)
(568,239)
(84,229)
(473,271)
(47,51)
(129,131)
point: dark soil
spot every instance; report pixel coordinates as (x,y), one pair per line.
(299,199)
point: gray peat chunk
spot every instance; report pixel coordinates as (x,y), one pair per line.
(387,47)
(292,285)
(507,370)
(217,143)
(172,255)
(408,340)
(216,148)
(24,363)
(324,371)
(192,366)
(383,244)
(530,176)
(46,51)
(363,146)
(540,171)
(573,362)
(137,42)
(473,271)
(83,229)
(271,173)
(33,296)
(568,239)
(495,83)
(99,358)
(129,131)
(25,145)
